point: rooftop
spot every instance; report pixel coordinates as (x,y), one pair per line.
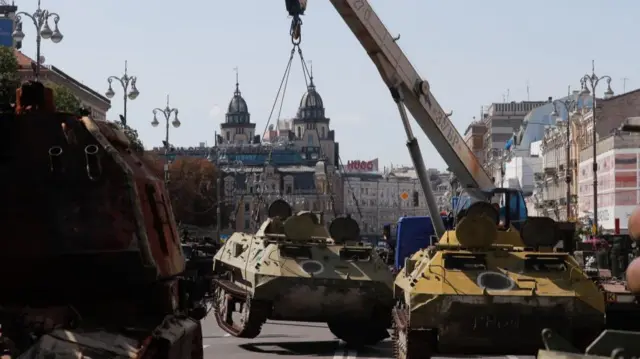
(24,63)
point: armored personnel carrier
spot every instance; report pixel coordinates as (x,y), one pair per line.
(482,284)
(293,269)
(91,263)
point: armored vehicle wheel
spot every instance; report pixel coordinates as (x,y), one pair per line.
(358,333)
(227,298)
(408,344)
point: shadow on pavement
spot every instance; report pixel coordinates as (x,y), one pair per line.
(298,325)
(321,348)
(261,336)
(292,348)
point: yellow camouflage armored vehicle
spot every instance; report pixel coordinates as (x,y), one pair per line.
(294,269)
(489,289)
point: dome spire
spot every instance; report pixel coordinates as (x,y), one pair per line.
(311,84)
(237,92)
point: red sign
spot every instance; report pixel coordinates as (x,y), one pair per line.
(362,166)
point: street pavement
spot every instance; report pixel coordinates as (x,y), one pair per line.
(293,340)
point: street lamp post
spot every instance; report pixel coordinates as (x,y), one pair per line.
(125,81)
(569,105)
(40,19)
(592,81)
(166,112)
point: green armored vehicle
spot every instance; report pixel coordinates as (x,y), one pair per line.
(294,269)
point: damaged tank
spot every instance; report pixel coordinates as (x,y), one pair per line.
(482,283)
(294,269)
(90,255)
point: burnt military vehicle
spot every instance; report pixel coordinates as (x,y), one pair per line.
(293,269)
(482,283)
(91,263)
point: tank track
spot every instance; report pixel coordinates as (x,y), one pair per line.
(254,313)
(408,343)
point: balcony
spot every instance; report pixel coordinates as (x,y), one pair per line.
(562,201)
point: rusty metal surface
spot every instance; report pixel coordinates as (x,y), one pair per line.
(89,196)
(93,344)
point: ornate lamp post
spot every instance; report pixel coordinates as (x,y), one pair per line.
(589,85)
(125,81)
(166,112)
(40,19)
(569,105)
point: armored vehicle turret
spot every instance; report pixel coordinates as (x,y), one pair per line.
(294,269)
(483,283)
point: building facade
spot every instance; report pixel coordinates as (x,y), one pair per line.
(295,163)
(474,138)
(49,74)
(378,198)
(503,120)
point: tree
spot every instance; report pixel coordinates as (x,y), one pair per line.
(65,100)
(9,77)
(192,187)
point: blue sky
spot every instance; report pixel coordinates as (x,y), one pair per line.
(472,52)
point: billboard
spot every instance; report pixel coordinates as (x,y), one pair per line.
(6,29)
(362,166)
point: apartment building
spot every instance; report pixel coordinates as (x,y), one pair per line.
(474,138)
(502,120)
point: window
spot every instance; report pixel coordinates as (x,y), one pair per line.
(323,132)
(299,132)
(288,189)
(228,136)
(310,140)
(247,207)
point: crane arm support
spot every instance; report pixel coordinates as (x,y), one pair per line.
(397,72)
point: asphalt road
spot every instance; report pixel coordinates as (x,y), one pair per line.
(290,340)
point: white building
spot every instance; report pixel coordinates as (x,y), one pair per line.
(378,198)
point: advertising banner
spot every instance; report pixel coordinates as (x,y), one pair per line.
(6,29)
(361,166)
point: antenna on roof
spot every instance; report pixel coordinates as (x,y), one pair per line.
(624,84)
(528,97)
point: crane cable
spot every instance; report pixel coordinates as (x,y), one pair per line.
(296,38)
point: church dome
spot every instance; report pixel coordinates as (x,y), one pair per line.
(311,105)
(238,111)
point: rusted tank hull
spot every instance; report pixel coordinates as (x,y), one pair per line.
(321,300)
(174,337)
(465,323)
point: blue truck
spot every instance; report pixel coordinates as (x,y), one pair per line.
(410,235)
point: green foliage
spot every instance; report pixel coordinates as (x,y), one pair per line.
(65,100)
(132,135)
(9,78)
